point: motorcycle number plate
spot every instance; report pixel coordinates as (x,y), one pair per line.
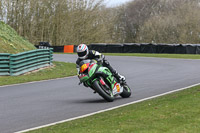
(84,67)
(117,89)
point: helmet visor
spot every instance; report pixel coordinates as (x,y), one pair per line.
(81,54)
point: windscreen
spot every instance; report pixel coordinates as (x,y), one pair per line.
(84,62)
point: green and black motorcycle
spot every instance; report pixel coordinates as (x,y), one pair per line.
(92,74)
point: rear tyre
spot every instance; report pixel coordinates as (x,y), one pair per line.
(126,92)
(103,91)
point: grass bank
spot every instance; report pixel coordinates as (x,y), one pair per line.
(60,70)
(174,113)
(11,42)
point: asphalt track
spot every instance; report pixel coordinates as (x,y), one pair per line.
(34,104)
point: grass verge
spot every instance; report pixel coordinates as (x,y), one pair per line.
(174,113)
(180,56)
(60,70)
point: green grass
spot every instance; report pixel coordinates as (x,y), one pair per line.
(60,70)
(11,42)
(180,56)
(174,113)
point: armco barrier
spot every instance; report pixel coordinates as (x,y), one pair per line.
(4,64)
(16,64)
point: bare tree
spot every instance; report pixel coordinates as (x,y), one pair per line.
(180,24)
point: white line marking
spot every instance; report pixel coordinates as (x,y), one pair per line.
(36,81)
(83,116)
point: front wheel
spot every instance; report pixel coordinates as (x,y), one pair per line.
(106,93)
(126,92)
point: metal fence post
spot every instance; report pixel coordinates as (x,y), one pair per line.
(10,65)
(51,55)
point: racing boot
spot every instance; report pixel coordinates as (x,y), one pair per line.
(113,71)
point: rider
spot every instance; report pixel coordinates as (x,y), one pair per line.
(84,53)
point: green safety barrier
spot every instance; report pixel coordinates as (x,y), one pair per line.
(17,64)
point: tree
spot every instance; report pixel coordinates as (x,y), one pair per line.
(179,24)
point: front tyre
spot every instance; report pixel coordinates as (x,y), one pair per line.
(103,91)
(126,92)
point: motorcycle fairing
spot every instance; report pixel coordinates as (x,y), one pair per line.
(117,89)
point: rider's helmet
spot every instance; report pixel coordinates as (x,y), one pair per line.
(82,51)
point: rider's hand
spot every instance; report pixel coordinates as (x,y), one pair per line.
(100,61)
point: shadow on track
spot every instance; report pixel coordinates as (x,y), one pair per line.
(90,101)
(95,100)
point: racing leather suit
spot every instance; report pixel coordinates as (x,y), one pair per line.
(98,56)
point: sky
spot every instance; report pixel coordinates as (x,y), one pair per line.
(113,3)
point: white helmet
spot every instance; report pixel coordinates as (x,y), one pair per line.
(82,51)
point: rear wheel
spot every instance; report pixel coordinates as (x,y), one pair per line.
(126,92)
(103,91)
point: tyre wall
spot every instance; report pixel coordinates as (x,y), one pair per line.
(139,48)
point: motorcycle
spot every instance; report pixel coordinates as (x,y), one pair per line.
(99,78)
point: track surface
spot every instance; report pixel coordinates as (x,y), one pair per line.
(35,104)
